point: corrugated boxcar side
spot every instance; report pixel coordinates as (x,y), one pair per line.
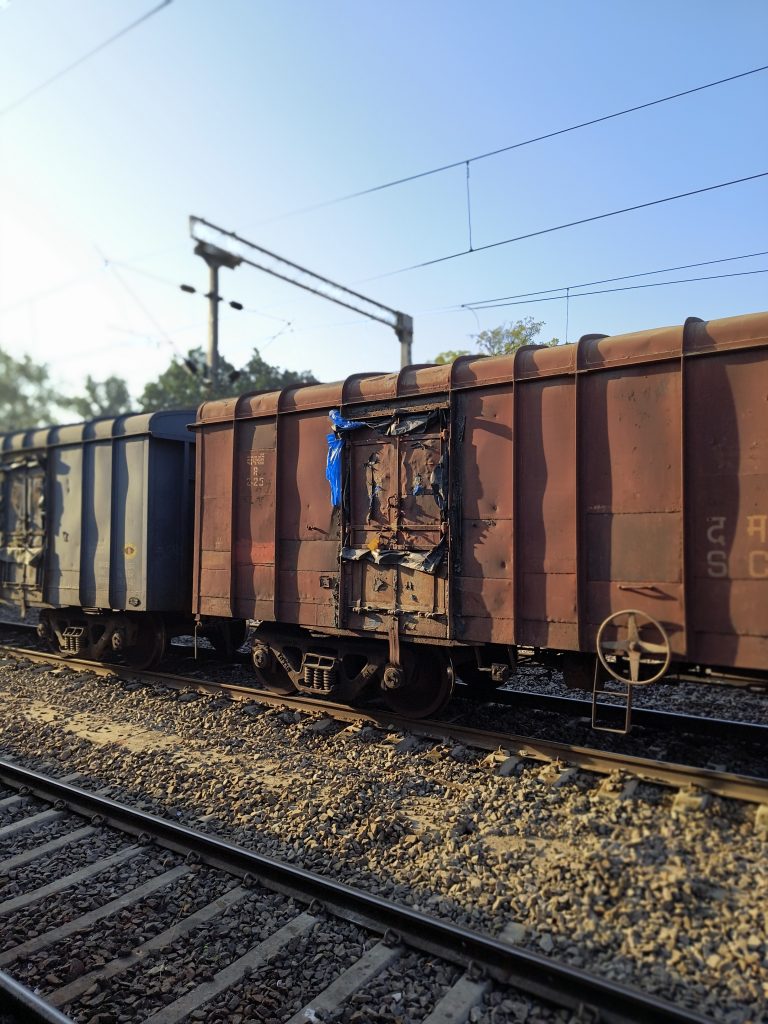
(255,486)
(117,511)
(727,499)
(308,530)
(547,526)
(215,479)
(625,472)
(265,529)
(482,489)
(630,456)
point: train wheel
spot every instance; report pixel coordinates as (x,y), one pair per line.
(427,684)
(151,640)
(269,672)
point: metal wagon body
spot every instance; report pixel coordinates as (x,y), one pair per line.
(95,529)
(540,501)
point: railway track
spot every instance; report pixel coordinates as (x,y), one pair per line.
(283,913)
(731,730)
(666,721)
(684,778)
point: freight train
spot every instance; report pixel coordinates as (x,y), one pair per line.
(599,506)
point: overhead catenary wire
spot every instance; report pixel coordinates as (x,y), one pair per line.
(563,227)
(83,278)
(569,294)
(81,60)
(481,303)
(512,146)
(568,291)
(174,284)
(605,291)
(141,305)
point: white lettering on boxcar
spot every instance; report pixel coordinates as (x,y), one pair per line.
(757,526)
(717,557)
(254,478)
(757,559)
(716,529)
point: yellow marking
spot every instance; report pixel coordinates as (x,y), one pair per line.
(757,526)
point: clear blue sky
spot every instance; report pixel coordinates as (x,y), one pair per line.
(242,110)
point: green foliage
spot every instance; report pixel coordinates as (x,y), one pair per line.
(503,339)
(448,357)
(26,396)
(509,337)
(183,384)
(108,397)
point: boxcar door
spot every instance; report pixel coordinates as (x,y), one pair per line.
(22,526)
(395,523)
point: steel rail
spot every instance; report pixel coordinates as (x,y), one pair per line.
(746,788)
(531,972)
(673,721)
(605,762)
(732,729)
(26,1005)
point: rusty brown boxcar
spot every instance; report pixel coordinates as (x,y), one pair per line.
(606,498)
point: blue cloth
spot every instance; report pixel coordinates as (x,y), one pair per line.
(333,467)
(333,463)
(340,423)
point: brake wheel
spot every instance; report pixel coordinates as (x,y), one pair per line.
(640,660)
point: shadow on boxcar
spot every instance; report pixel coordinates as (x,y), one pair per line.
(658,501)
(539,552)
(56,534)
(716,456)
(481,445)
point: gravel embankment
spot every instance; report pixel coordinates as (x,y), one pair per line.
(673,903)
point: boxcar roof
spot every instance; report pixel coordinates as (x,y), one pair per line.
(592,352)
(171,424)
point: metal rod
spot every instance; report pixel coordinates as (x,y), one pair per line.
(404,331)
(215,258)
(400,322)
(213,321)
(282,259)
(26,1005)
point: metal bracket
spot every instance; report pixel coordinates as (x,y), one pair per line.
(598,686)
(393,631)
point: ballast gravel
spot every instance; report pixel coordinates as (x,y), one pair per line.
(62,908)
(118,934)
(37,833)
(671,902)
(167,975)
(64,861)
(305,966)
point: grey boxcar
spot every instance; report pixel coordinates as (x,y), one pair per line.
(96,530)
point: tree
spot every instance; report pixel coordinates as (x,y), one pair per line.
(109,397)
(509,337)
(503,339)
(184,385)
(26,396)
(450,355)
